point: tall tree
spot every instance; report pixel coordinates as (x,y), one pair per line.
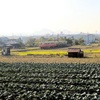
(81,41)
(30,42)
(69,41)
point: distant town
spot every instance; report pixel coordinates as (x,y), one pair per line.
(61,40)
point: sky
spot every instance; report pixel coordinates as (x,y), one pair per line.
(29,17)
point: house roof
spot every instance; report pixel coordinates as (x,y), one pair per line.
(11,42)
(74,49)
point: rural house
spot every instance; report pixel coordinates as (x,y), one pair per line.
(13,43)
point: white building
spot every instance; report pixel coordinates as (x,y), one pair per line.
(89,38)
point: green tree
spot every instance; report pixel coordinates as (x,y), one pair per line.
(76,42)
(42,39)
(62,38)
(21,44)
(30,42)
(81,41)
(51,38)
(69,41)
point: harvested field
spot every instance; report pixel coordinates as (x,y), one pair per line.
(41,59)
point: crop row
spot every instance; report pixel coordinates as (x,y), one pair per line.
(43,81)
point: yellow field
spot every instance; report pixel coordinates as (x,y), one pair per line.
(91,55)
(40,52)
(87,53)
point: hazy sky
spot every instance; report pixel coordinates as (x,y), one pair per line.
(24,17)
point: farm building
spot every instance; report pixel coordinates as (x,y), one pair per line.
(6,51)
(75,52)
(13,43)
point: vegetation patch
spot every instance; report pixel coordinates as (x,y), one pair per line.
(36,81)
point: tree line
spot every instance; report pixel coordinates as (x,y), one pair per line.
(34,42)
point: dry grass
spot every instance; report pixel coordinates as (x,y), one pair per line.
(41,59)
